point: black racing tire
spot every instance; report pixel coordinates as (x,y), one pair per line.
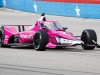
(2,38)
(0,32)
(40,40)
(87,36)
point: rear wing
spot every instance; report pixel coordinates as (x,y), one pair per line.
(19,27)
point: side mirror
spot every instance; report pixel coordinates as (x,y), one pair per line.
(64,28)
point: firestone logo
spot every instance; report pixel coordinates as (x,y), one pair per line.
(28,36)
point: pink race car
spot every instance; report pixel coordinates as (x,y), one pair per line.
(45,34)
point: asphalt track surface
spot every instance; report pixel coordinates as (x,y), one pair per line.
(68,61)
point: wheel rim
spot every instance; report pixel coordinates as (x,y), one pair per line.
(37,40)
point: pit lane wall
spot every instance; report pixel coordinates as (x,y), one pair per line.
(71,8)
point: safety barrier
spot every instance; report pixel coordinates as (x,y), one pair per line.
(56,8)
(1,4)
(29,5)
(24,5)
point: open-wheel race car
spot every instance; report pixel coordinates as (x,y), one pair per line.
(45,34)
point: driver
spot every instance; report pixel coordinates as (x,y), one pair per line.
(43,26)
(42,18)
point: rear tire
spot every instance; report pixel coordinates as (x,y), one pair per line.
(40,40)
(2,38)
(87,36)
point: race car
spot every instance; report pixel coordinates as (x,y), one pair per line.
(45,34)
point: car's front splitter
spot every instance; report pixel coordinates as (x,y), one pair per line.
(73,43)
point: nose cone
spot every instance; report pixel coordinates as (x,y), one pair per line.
(65,35)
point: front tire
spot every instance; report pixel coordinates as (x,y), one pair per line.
(40,40)
(87,37)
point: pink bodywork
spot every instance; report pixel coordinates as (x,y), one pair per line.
(27,35)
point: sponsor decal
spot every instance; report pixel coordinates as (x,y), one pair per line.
(28,36)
